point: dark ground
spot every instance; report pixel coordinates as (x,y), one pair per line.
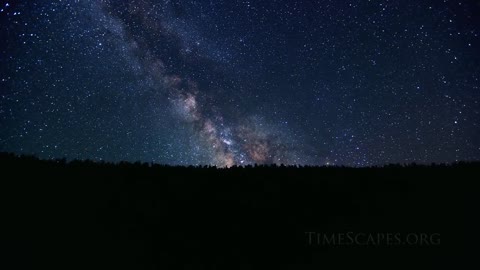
(136,216)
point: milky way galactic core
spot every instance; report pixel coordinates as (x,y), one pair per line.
(226,83)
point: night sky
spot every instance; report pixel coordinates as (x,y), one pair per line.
(227,82)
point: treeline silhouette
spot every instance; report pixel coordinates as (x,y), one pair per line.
(26,159)
(81,214)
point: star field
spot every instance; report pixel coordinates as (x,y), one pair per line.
(356,83)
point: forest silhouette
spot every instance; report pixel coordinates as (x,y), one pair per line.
(80,214)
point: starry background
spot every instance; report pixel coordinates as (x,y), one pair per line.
(353,83)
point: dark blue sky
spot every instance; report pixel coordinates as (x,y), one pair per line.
(235,82)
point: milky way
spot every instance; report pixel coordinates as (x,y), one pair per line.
(241,82)
(234,143)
